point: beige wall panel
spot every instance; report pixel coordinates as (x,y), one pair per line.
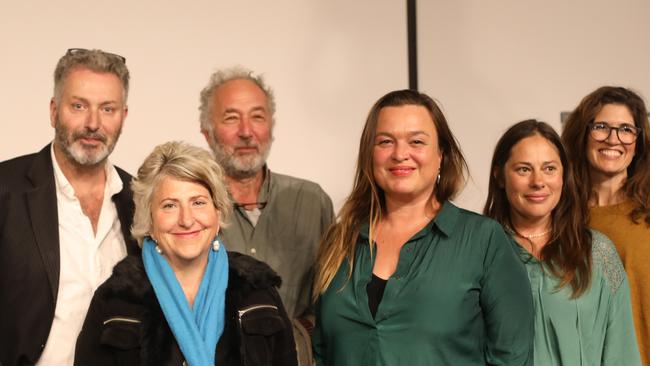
(494,63)
(328,61)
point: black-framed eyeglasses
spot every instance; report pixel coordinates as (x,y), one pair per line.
(626,133)
(76,51)
(259,204)
(251,205)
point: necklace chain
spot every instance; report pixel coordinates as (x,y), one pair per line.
(529,236)
(536,235)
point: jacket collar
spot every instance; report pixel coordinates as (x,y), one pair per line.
(41,203)
(42,208)
(123,201)
(245,274)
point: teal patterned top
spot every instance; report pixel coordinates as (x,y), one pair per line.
(594,329)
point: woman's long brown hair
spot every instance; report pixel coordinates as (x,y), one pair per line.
(567,255)
(366,202)
(576,133)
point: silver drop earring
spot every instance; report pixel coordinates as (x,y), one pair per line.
(438,178)
(159,250)
(216,245)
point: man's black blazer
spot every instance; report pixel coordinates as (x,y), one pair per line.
(29,252)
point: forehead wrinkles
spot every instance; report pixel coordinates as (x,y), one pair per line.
(240,91)
(239,111)
(93,87)
(86,77)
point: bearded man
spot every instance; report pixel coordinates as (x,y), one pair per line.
(65,213)
(277,218)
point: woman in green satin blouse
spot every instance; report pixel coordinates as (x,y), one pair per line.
(404,277)
(580,291)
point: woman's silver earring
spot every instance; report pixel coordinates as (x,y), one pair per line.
(159,250)
(216,245)
(438,179)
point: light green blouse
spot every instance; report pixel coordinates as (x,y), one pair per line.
(594,329)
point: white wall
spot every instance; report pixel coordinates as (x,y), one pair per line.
(494,63)
(489,63)
(328,61)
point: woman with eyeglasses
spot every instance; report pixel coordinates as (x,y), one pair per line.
(581,295)
(608,140)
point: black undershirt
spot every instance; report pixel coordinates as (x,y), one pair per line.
(375,289)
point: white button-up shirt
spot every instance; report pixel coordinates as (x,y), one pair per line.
(87,260)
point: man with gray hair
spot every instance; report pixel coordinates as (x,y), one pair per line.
(277,218)
(65,213)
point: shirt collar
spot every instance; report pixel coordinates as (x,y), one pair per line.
(114,185)
(446,218)
(265,190)
(445,221)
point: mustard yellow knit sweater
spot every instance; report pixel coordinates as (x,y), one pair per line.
(633,244)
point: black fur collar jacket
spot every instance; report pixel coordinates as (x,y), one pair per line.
(126,326)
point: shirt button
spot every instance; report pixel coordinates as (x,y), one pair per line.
(398,277)
(409,250)
(253,251)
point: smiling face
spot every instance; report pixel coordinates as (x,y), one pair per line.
(406,156)
(88,117)
(184,221)
(533,180)
(609,159)
(242,127)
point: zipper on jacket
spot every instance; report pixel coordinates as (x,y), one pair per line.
(243,311)
(121,319)
(240,314)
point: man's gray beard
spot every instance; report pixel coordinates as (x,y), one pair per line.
(78,155)
(239,168)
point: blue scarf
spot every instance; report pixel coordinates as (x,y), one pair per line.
(197,330)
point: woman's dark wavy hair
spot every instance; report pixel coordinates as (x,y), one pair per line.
(567,255)
(575,135)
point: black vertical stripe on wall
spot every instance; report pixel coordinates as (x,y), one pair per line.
(411,16)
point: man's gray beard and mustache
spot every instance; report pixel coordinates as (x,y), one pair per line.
(240,167)
(78,153)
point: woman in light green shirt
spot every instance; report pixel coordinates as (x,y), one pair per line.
(580,291)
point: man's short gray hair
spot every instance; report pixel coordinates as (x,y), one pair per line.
(220,77)
(94,60)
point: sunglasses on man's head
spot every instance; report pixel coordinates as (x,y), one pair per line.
(78,51)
